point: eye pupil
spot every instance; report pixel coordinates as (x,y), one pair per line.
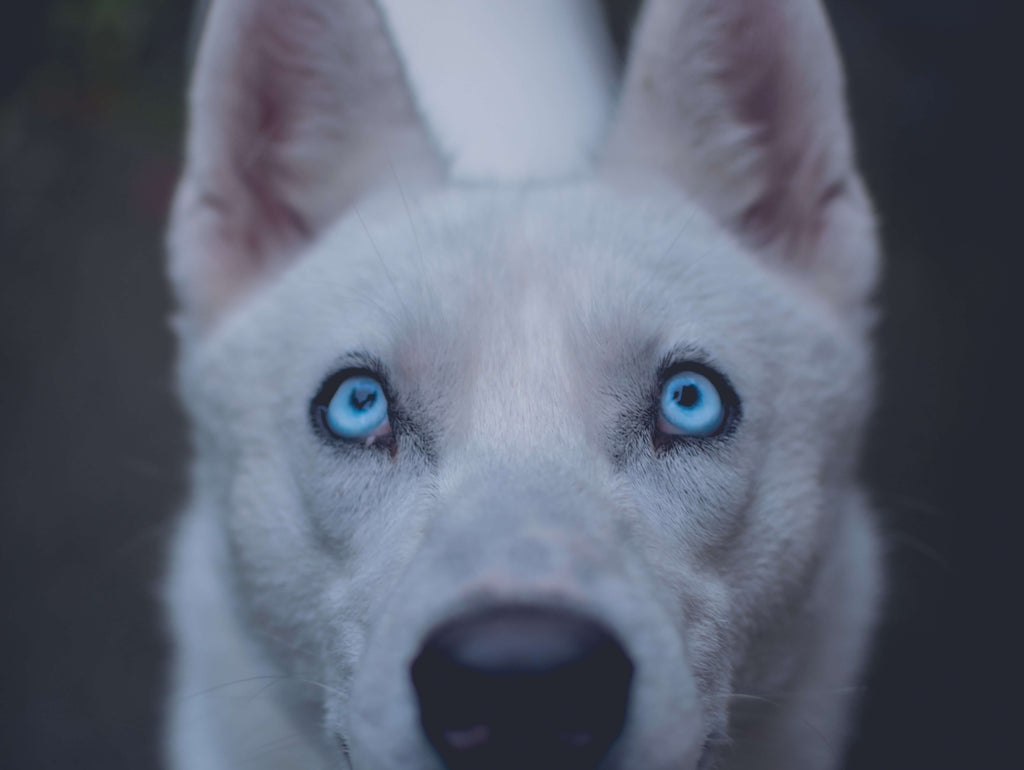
(363,398)
(688,395)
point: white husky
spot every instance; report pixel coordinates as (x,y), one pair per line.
(526,425)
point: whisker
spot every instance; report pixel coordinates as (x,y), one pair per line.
(270,679)
(683,228)
(233,683)
(383,264)
(264,689)
(778,703)
(277,744)
(412,222)
(848,690)
(918,546)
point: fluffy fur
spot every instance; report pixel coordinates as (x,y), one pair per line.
(521,328)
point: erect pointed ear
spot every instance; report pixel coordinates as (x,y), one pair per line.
(296,107)
(741,103)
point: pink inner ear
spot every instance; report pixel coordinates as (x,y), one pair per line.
(792,115)
(276,88)
(297,107)
(264,109)
(261,173)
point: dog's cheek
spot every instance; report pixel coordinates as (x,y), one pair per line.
(683,562)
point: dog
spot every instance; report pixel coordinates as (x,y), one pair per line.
(527,394)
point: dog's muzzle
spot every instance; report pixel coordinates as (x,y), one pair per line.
(522,686)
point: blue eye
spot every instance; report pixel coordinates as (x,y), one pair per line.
(692,405)
(358,409)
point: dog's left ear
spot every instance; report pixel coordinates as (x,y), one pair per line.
(741,103)
(296,107)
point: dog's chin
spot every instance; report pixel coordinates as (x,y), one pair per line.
(431,761)
(615,759)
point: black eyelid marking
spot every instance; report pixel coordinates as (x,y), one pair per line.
(354,364)
(684,357)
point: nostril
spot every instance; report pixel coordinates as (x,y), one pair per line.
(522,686)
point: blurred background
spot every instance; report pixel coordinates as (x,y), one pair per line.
(92,445)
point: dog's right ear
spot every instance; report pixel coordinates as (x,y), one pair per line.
(296,107)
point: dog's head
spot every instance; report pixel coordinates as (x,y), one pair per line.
(515,470)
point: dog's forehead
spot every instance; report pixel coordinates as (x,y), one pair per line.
(504,267)
(511,290)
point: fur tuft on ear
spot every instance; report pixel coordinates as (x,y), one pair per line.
(740,102)
(296,107)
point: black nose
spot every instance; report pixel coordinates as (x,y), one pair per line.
(522,687)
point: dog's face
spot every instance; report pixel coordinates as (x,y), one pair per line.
(605,418)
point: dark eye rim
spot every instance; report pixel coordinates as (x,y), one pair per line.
(329,387)
(726,391)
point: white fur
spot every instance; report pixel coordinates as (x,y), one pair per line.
(500,110)
(522,328)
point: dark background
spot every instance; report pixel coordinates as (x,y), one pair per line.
(92,444)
